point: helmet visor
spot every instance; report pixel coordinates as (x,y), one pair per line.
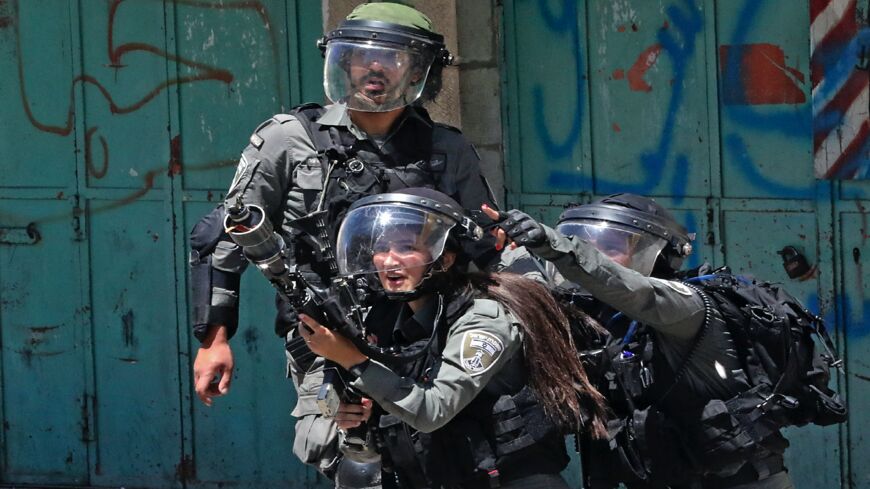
(387,237)
(622,244)
(372,76)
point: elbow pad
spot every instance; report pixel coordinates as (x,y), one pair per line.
(215,296)
(214,291)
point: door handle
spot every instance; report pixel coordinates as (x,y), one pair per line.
(27,235)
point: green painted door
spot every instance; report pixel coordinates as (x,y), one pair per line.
(707,106)
(122,122)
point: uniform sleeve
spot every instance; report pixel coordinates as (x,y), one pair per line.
(265,170)
(478,346)
(262,177)
(666,305)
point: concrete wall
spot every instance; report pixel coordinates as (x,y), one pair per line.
(472,84)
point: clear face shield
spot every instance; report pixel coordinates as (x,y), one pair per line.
(625,245)
(372,76)
(387,237)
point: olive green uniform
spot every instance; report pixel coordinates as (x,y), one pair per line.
(479,345)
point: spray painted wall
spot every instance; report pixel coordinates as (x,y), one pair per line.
(712,108)
(122,122)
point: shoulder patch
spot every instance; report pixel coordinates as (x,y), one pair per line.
(243,171)
(486,307)
(677,287)
(437,162)
(256,141)
(480,351)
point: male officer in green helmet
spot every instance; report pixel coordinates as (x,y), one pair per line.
(380,64)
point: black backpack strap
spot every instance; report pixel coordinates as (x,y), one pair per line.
(323,137)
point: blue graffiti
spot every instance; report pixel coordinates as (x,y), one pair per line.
(792,122)
(689,23)
(736,147)
(839,64)
(857,317)
(567,21)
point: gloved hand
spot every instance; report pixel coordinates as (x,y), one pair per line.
(523,230)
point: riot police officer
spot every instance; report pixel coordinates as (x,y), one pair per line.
(497,384)
(381,62)
(673,353)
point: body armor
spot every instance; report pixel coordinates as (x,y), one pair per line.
(502,435)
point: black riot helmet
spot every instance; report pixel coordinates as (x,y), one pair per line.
(384,56)
(632,230)
(393,232)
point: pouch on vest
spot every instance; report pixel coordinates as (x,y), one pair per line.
(403,449)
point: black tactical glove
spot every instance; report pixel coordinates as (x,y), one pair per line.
(523,230)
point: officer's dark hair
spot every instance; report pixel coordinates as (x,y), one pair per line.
(433,83)
(555,372)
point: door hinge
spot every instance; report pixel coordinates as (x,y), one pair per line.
(77,213)
(711,221)
(87,404)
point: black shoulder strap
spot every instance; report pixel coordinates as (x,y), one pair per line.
(307,115)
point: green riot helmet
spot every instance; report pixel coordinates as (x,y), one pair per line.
(382,57)
(400,237)
(631,230)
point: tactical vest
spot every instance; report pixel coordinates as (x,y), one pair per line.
(500,436)
(351,168)
(664,434)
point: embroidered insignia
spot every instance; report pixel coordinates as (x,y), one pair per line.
(480,350)
(256,141)
(677,287)
(240,172)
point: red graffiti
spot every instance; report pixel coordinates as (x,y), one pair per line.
(200,72)
(89,160)
(174,157)
(644,62)
(616,127)
(618,74)
(763,77)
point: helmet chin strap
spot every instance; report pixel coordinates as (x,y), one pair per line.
(427,284)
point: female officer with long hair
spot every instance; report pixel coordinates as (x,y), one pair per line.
(497,383)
